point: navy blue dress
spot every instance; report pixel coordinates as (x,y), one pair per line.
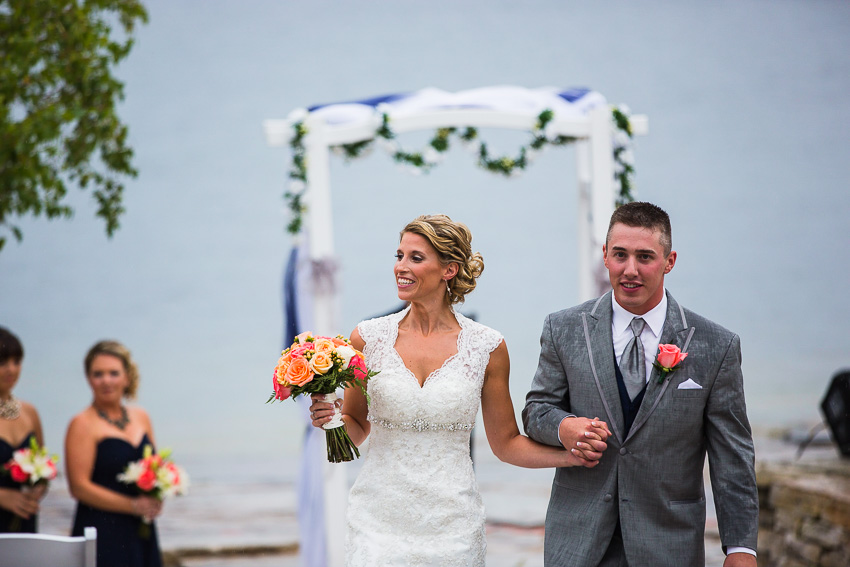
(9,522)
(120,541)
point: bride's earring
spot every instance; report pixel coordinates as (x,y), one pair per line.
(448,289)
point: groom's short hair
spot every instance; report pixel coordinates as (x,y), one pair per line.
(644,215)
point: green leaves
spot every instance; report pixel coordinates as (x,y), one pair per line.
(441,142)
(58,119)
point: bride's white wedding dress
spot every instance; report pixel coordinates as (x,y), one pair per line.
(416,502)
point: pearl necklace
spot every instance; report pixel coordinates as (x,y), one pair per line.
(11,408)
(120,423)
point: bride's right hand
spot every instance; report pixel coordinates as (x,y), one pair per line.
(321,411)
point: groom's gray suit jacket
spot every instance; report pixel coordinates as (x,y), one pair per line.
(652,478)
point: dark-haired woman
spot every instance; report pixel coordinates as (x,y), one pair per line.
(19,423)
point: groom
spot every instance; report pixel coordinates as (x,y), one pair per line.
(643,502)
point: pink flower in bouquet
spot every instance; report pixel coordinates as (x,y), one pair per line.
(358,366)
(302,337)
(17,473)
(669,356)
(281,391)
(300,350)
(147,480)
(298,372)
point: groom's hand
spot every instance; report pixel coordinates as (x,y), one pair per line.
(585,439)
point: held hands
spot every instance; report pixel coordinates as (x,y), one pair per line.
(585,439)
(147,507)
(22,503)
(320,411)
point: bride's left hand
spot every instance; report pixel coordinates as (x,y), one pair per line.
(321,411)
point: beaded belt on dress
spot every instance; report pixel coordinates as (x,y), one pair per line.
(421,425)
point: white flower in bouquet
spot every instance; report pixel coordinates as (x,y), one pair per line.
(345,352)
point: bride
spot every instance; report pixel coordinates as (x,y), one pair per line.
(415,501)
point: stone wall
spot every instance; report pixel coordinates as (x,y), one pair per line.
(804,518)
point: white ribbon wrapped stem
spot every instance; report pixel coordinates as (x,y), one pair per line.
(336,420)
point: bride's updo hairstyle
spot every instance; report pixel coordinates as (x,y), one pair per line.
(122,353)
(453,243)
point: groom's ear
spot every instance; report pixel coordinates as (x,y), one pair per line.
(671,261)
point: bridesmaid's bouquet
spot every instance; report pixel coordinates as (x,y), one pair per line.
(320,365)
(30,467)
(155,475)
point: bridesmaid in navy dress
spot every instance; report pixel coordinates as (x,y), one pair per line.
(101,441)
(19,423)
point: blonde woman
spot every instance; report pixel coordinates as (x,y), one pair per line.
(101,441)
(415,501)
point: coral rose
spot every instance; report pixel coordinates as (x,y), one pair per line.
(18,474)
(298,372)
(147,480)
(321,362)
(669,356)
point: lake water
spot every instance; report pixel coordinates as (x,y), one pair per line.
(747,150)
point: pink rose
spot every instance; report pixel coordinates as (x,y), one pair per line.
(281,392)
(358,366)
(147,480)
(298,352)
(302,337)
(669,356)
(18,474)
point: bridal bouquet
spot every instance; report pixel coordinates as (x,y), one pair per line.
(320,365)
(30,466)
(156,476)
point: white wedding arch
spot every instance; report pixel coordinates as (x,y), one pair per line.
(601,133)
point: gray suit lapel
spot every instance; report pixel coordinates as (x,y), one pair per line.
(599,341)
(677,332)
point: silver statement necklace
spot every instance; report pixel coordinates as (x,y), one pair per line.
(11,408)
(120,423)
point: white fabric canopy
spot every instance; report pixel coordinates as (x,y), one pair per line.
(564,103)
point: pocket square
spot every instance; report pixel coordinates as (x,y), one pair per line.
(689,385)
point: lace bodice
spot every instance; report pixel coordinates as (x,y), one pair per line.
(415,501)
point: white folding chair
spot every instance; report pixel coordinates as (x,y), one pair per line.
(42,550)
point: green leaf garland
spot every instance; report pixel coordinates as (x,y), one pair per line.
(440,143)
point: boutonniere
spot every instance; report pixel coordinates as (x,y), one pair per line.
(668,360)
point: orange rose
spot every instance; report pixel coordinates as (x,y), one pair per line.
(282,367)
(321,362)
(298,372)
(339,342)
(324,344)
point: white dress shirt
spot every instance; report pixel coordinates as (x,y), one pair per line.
(650,336)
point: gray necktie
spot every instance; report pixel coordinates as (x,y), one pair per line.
(633,363)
